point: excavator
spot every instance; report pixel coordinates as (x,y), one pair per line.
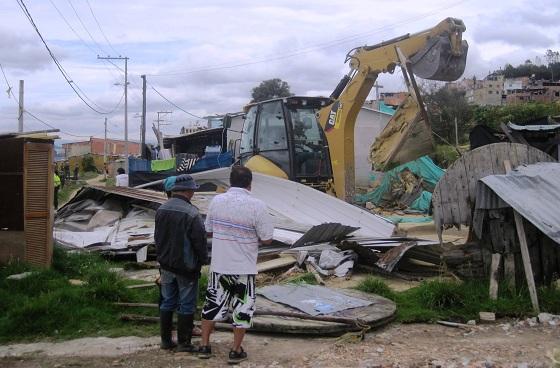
(311,139)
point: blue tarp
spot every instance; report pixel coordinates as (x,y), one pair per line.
(386,109)
(423,167)
(209,161)
(138,164)
(212,161)
(409,219)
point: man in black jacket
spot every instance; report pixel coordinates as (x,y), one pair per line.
(181,251)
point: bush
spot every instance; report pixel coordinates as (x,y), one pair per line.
(445,155)
(376,286)
(442,295)
(88,164)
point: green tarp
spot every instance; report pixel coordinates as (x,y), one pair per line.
(423,167)
(163,165)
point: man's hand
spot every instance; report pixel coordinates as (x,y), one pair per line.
(266,242)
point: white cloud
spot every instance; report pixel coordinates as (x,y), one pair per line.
(304,43)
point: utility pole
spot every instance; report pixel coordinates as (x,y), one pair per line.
(158,121)
(20,110)
(105,152)
(456,134)
(377,87)
(125,102)
(143,124)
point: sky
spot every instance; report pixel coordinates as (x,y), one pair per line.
(206,56)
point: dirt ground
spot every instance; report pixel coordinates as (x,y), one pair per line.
(506,344)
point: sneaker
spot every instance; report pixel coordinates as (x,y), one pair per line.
(204,352)
(237,357)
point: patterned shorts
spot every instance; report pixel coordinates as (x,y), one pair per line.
(235,291)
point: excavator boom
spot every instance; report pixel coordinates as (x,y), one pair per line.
(438,53)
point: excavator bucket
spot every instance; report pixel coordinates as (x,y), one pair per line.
(437,61)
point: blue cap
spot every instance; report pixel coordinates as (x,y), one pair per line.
(184,182)
(168,183)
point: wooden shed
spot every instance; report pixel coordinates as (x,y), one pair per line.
(26,198)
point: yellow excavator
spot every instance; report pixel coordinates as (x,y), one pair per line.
(311,139)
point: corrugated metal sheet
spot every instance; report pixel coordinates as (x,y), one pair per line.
(532,190)
(534,128)
(324,233)
(455,194)
(142,194)
(306,205)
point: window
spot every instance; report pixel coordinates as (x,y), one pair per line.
(311,155)
(272,129)
(272,142)
(489,92)
(248,134)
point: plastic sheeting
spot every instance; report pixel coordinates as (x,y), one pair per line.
(423,167)
(422,203)
(311,299)
(163,165)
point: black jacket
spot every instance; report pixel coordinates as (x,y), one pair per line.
(180,237)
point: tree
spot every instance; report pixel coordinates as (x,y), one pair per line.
(271,88)
(444,106)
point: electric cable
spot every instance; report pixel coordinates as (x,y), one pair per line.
(173,104)
(66,76)
(309,49)
(99,26)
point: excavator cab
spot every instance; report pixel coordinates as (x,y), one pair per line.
(282,137)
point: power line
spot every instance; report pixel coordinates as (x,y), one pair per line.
(173,104)
(77,35)
(84,26)
(10,92)
(305,50)
(72,84)
(99,26)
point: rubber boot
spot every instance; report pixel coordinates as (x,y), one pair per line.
(166,326)
(185,324)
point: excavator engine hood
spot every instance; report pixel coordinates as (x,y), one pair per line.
(438,60)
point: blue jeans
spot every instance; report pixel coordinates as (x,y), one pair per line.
(178,293)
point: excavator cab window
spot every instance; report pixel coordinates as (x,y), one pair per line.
(247,138)
(272,137)
(311,155)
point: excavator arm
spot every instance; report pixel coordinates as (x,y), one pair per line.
(438,53)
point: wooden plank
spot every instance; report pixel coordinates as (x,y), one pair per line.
(462,186)
(134,305)
(276,263)
(526,261)
(525,253)
(140,286)
(312,269)
(494,275)
(509,270)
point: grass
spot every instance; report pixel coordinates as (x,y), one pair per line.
(460,302)
(110,182)
(45,304)
(70,186)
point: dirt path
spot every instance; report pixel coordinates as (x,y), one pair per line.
(92,181)
(419,345)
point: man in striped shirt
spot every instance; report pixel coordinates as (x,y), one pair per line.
(237,223)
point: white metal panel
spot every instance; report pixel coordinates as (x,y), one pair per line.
(306,205)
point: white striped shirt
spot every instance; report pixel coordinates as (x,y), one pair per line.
(237,222)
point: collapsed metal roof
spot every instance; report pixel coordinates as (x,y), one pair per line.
(535,128)
(532,190)
(304,205)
